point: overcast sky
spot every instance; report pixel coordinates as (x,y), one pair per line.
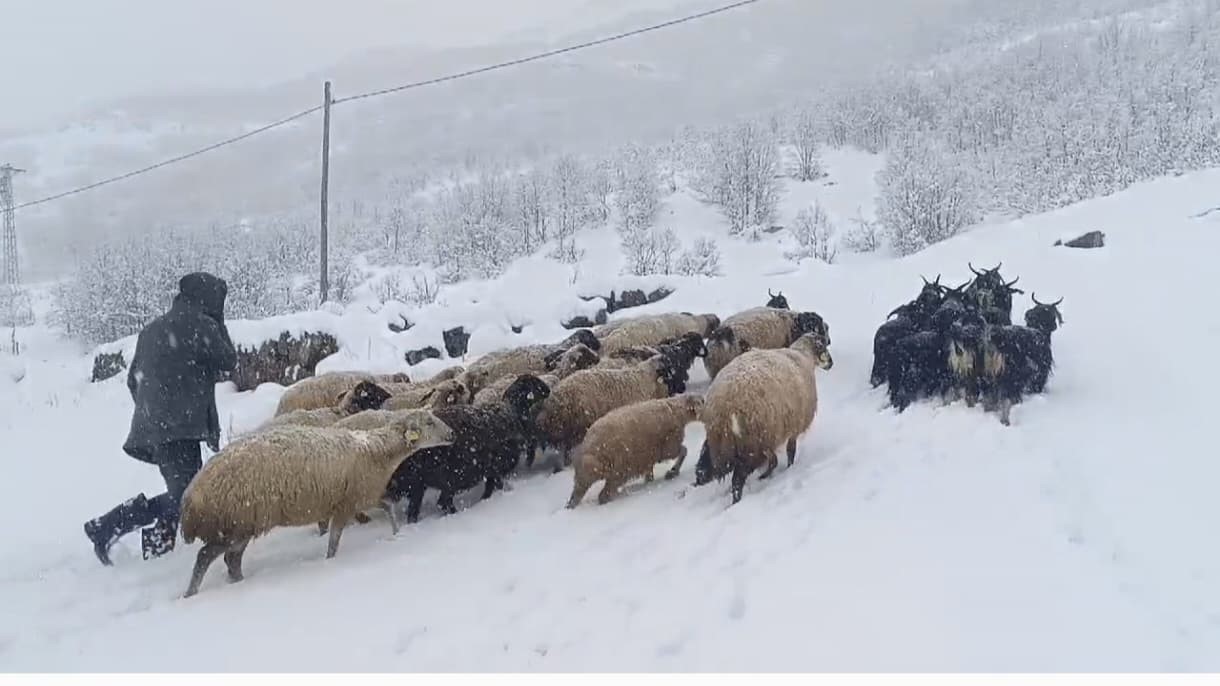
(62,54)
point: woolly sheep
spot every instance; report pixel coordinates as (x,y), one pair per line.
(583,398)
(414,396)
(655,329)
(563,365)
(759,401)
(293,476)
(365,396)
(765,328)
(526,359)
(320,391)
(629,441)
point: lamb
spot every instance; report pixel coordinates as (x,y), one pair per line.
(365,396)
(294,476)
(629,441)
(562,364)
(320,391)
(414,396)
(759,401)
(655,329)
(528,359)
(765,328)
(583,398)
(487,446)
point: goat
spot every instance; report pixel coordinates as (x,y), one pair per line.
(991,295)
(1018,359)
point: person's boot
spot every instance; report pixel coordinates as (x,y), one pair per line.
(104,531)
(158,539)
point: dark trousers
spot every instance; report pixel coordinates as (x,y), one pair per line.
(179,462)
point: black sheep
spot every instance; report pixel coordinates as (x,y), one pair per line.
(488,442)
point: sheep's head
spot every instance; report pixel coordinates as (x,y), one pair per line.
(668,372)
(583,337)
(525,395)
(576,358)
(816,347)
(476,379)
(422,429)
(1043,316)
(710,323)
(692,404)
(365,396)
(448,393)
(777,300)
(810,322)
(690,343)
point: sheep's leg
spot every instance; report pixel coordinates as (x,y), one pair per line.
(740,472)
(445,502)
(337,523)
(391,513)
(233,558)
(415,501)
(772,463)
(323,527)
(579,488)
(791,448)
(207,555)
(649,476)
(361,518)
(609,491)
(677,466)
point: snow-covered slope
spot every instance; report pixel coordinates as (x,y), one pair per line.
(1080,538)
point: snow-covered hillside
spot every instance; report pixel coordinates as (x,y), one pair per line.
(1080,538)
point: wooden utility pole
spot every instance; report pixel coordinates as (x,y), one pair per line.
(324,277)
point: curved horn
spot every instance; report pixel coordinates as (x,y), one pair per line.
(770,293)
(925,280)
(996,268)
(1010,284)
(976,272)
(937,281)
(1033,295)
(1056,303)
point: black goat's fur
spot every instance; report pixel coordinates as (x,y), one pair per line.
(488,442)
(1019,359)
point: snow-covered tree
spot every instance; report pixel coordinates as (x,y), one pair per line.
(814,233)
(738,171)
(805,136)
(701,259)
(927,194)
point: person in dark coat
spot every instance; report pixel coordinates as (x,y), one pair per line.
(172,378)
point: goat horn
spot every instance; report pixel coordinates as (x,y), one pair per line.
(996,268)
(1010,284)
(925,280)
(976,272)
(770,293)
(1056,303)
(937,281)
(1034,297)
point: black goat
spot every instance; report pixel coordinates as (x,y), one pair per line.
(778,301)
(991,295)
(911,318)
(488,442)
(918,365)
(1018,359)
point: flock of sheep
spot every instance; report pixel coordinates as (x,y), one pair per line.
(610,401)
(954,342)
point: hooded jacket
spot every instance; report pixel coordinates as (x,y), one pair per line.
(178,360)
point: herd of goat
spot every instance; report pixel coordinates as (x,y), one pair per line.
(610,401)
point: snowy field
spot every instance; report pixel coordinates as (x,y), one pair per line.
(1081,538)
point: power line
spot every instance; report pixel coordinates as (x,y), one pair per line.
(387,91)
(548,54)
(172,160)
